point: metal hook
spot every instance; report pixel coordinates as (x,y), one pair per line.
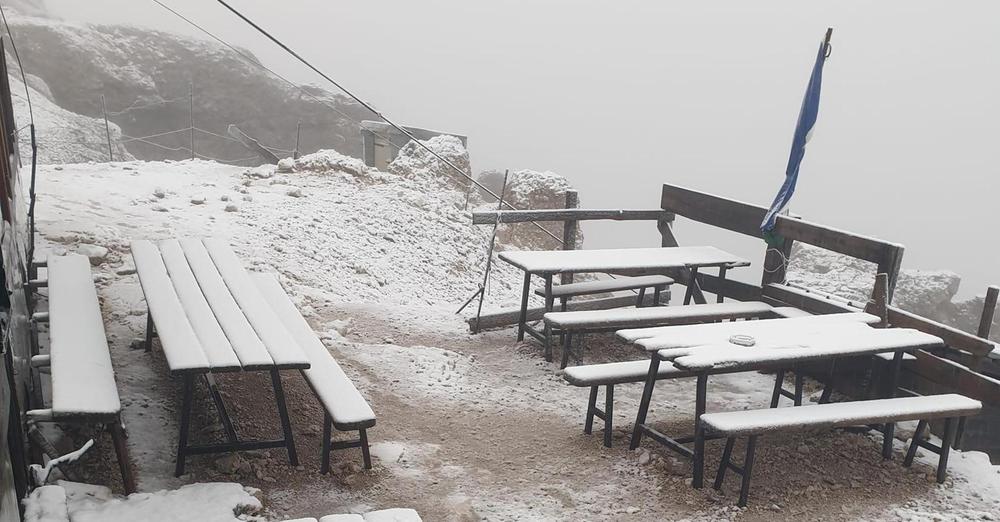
(829,50)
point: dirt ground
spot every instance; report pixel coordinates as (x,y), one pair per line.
(482,428)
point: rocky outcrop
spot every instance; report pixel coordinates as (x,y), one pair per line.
(528,189)
(145,77)
(929,293)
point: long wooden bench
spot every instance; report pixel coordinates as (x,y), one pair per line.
(83,380)
(570,324)
(754,423)
(564,292)
(608,375)
(345,408)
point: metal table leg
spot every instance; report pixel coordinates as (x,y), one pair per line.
(182,439)
(647,395)
(523,319)
(286,425)
(699,434)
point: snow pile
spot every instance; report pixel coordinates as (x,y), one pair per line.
(414,161)
(62,136)
(208,502)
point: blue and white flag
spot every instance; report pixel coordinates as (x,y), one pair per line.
(803,131)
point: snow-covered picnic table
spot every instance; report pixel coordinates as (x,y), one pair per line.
(778,344)
(211,318)
(617,261)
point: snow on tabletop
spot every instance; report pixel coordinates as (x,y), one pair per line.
(269,328)
(619,259)
(213,340)
(841,414)
(336,391)
(343,518)
(202,502)
(83,380)
(392,515)
(660,337)
(311,520)
(46,504)
(625,316)
(181,347)
(833,345)
(616,373)
(248,347)
(802,335)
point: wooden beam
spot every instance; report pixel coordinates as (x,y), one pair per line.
(570,228)
(252,144)
(510,317)
(989,309)
(745,218)
(805,300)
(959,378)
(566,214)
(727,287)
(953,337)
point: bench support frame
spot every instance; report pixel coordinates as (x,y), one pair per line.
(329,445)
(607,414)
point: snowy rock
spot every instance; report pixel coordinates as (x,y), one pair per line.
(260,172)
(286,165)
(414,161)
(198,200)
(159,193)
(125,269)
(160,208)
(528,189)
(224,197)
(294,192)
(96,253)
(247,197)
(232,208)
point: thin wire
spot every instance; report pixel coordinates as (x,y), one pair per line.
(135,107)
(154,135)
(368,106)
(24,79)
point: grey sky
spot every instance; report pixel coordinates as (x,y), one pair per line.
(622,96)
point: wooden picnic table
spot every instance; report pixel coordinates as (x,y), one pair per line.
(826,341)
(616,261)
(211,318)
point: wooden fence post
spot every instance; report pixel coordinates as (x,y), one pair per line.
(989,309)
(570,228)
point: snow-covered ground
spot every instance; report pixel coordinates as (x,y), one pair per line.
(470,427)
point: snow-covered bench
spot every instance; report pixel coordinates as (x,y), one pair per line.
(564,292)
(346,409)
(754,423)
(590,321)
(83,380)
(608,375)
(382,515)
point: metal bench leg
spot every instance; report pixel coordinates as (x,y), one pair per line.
(523,318)
(118,437)
(286,425)
(724,464)
(888,429)
(182,439)
(547,334)
(959,433)
(324,465)
(647,394)
(949,437)
(656,296)
(150,330)
(747,468)
(567,346)
(366,455)
(220,406)
(609,401)
(828,389)
(911,452)
(798,387)
(779,381)
(642,297)
(697,479)
(588,424)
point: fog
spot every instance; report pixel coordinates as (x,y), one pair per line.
(620,97)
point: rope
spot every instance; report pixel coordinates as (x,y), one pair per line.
(783,267)
(155,135)
(135,107)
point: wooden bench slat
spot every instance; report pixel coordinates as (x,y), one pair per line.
(349,409)
(269,328)
(839,414)
(789,312)
(606,285)
(181,346)
(626,317)
(662,337)
(618,373)
(83,380)
(248,347)
(391,515)
(213,340)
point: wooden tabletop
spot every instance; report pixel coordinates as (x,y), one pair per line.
(625,261)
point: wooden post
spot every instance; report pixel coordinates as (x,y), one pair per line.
(570,228)
(665,225)
(989,309)
(107,127)
(191,114)
(776,262)
(879,302)
(298,128)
